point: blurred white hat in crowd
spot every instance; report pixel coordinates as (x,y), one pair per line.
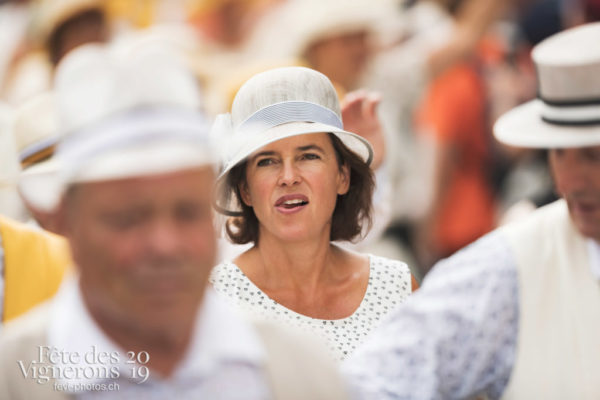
(567,110)
(300,23)
(37,134)
(10,203)
(126,114)
(275,105)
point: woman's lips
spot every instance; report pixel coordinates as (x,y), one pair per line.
(291,203)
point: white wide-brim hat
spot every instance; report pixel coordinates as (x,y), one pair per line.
(567,111)
(121,115)
(274,105)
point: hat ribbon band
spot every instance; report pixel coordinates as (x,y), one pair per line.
(290,111)
(37,147)
(576,114)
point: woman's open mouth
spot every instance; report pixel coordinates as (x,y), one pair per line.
(291,203)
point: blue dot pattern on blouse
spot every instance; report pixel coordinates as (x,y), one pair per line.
(455,338)
(389,285)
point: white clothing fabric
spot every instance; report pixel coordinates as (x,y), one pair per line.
(594,250)
(389,285)
(223,349)
(559,309)
(456,337)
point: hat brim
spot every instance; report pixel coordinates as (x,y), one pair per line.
(523,127)
(43,185)
(226,201)
(40,186)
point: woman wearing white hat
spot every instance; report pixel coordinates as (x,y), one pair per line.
(294,181)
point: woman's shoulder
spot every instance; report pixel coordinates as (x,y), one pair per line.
(225,275)
(387,272)
(378,262)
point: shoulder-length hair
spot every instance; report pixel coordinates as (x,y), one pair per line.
(352,216)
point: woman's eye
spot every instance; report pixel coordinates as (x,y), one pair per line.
(264,162)
(310,156)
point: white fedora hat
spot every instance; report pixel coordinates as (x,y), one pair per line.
(274,105)
(567,110)
(127,114)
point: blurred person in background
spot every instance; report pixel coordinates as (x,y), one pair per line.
(137,172)
(56,27)
(10,203)
(515,314)
(32,262)
(14,21)
(453,120)
(295,182)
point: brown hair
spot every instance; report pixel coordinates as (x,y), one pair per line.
(352,213)
(93,17)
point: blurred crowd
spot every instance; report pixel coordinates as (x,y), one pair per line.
(440,73)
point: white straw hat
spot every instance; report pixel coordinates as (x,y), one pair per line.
(567,110)
(125,115)
(274,105)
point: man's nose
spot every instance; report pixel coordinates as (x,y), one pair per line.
(163,237)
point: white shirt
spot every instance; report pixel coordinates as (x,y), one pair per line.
(594,251)
(224,360)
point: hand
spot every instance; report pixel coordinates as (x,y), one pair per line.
(359,114)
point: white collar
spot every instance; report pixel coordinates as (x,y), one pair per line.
(219,336)
(594,252)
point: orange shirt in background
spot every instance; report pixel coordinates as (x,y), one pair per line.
(454,113)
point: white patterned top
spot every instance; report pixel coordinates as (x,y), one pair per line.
(389,285)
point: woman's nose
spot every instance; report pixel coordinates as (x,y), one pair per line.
(289,174)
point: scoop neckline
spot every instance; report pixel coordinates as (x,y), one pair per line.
(291,312)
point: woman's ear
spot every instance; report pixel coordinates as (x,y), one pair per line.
(243,187)
(343,179)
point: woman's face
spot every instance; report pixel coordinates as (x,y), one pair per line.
(293,184)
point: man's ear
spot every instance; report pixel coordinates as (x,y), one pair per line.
(60,217)
(343,179)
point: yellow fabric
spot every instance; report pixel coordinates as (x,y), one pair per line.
(140,13)
(34,265)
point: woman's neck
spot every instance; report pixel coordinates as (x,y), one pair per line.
(283,265)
